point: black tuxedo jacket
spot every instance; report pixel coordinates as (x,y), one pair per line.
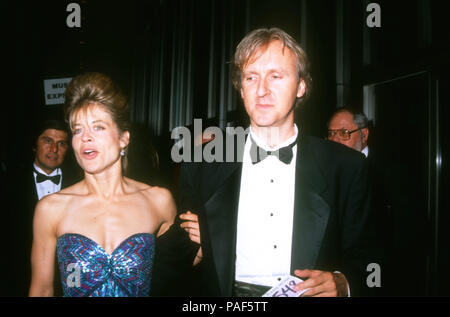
(332,226)
(22,201)
(29,196)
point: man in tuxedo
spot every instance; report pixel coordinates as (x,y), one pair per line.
(351,128)
(291,204)
(43,176)
(46,174)
(50,151)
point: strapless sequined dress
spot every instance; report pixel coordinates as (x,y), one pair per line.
(88,270)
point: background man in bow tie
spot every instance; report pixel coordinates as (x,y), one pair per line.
(50,150)
(293,204)
(45,175)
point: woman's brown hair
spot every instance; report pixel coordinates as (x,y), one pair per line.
(96,88)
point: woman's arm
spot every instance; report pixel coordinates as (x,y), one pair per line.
(43,249)
(167,209)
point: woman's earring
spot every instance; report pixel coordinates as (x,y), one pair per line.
(122,152)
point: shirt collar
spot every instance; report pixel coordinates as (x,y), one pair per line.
(55,172)
(365,151)
(262,144)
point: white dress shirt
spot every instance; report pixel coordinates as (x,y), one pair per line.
(265,216)
(365,151)
(47,187)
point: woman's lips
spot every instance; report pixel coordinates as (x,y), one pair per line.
(89,154)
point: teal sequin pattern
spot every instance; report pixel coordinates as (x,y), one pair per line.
(88,270)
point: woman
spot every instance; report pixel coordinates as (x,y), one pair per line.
(103,228)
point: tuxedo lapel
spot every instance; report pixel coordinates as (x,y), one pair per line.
(221,212)
(69,177)
(64,183)
(311,210)
(32,193)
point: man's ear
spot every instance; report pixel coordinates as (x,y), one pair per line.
(124,139)
(365,135)
(301,90)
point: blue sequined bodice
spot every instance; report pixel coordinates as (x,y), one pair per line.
(88,270)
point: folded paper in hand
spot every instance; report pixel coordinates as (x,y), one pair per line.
(285,288)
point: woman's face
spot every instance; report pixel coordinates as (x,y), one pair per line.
(96,140)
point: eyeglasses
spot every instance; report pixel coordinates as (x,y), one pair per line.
(342,134)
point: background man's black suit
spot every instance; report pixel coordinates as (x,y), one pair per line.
(18,231)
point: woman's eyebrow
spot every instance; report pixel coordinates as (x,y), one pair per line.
(99,121)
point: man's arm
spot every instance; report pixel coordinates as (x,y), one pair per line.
(175,252)
(188,186)
(358,243)
(187,205)
(355,241)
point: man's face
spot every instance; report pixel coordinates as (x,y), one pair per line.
(270,87)
(51,149)
(344,120)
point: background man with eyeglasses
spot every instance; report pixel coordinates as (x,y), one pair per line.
(349,128)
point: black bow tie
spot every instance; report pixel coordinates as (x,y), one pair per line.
(284,154)
(42,178)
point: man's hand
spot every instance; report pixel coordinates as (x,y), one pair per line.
(193,229)
(191,226)
(322,284)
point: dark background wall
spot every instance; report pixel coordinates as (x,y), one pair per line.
(172,59)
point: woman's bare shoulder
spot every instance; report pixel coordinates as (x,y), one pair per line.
(49,210)
(161,200)
(74,190)
(151,192)
(159,195)
(135,186)
(55,204)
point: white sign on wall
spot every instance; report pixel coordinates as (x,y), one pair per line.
(54,90)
